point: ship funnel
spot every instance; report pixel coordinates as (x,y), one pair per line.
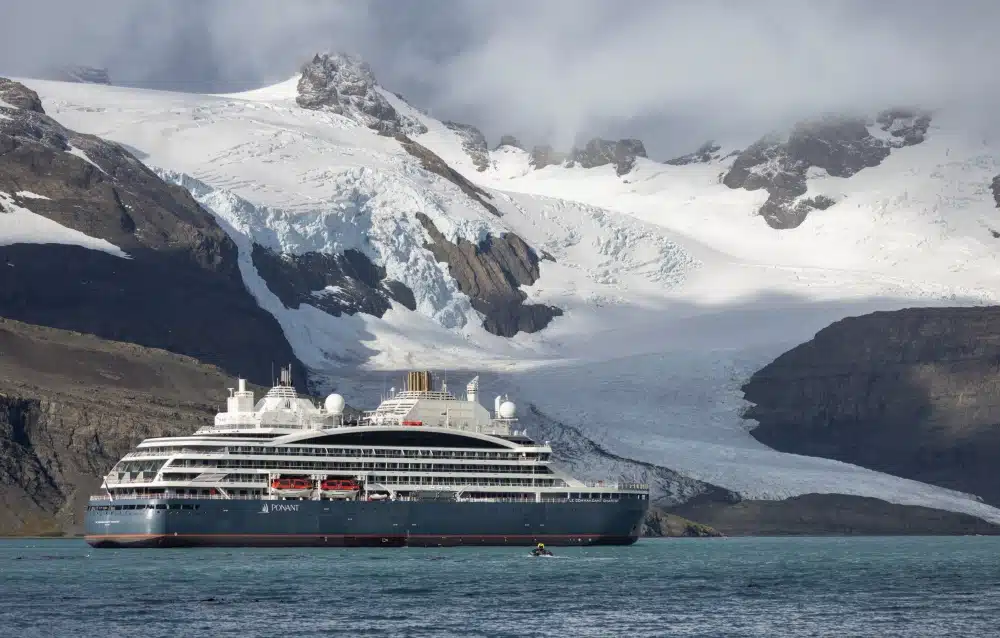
(243,385)
(418,381)
(472,390)
(286,376)
(496,406)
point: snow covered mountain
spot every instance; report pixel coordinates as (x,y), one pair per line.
(623,300)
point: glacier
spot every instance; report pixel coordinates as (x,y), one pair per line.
(673,289)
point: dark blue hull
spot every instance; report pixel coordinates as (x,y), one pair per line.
(249,523)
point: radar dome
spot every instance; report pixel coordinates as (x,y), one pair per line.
(334,404)
(507,410)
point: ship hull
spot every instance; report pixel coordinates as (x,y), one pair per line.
(286,523)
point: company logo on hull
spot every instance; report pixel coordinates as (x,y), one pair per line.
(279,507)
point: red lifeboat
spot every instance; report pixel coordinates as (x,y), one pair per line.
(339,485)
(413,423)
(291,484)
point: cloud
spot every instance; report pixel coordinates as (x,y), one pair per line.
(672,73)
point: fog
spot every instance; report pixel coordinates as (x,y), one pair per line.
(670,73)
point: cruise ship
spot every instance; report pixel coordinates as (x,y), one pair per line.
(425,468)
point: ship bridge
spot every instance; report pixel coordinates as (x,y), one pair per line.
(282,413)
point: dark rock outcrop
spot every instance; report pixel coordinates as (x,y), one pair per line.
(915,393)
(344,84)
(509,140)
(707,152)
(473,143)
(545,155)
(909,125)
(337,284)
(840,145)
(597,152)
(830,515)
(659,524)
(432,162)
(182,282)
(491,274)
(19,96)
(82,74)
(995,187)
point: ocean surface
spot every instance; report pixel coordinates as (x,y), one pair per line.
(663,587)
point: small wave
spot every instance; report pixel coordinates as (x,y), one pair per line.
(409,591)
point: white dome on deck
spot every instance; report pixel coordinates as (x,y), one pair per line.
(334,404)
(507,410)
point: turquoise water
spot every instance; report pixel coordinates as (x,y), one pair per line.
(671,587)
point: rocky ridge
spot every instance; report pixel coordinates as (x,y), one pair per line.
(345,85)
(544,155)
(707,152)
(599,152)
(473,143)
(914,393)
(432,162)
(840,145)
(182,267)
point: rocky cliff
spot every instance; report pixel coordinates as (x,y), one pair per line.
(491,274)
(841,146)
(915,393)
(544,155)
(345,85)
(180,281)
(598,152)
(72,404)
(338,284)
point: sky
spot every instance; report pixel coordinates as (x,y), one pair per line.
(670,72)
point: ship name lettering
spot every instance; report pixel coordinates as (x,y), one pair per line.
(284,507)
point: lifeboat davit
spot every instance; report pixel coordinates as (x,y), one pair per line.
(291,486)
(339,488)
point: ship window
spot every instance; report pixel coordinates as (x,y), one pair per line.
(161,506)
(410,438)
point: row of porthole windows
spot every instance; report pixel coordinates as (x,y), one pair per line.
(345,452)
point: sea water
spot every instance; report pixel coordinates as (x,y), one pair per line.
(664,587)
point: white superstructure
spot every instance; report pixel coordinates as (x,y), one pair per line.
(419,443)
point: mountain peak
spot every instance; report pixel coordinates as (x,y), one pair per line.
(598,152)
(343,83)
